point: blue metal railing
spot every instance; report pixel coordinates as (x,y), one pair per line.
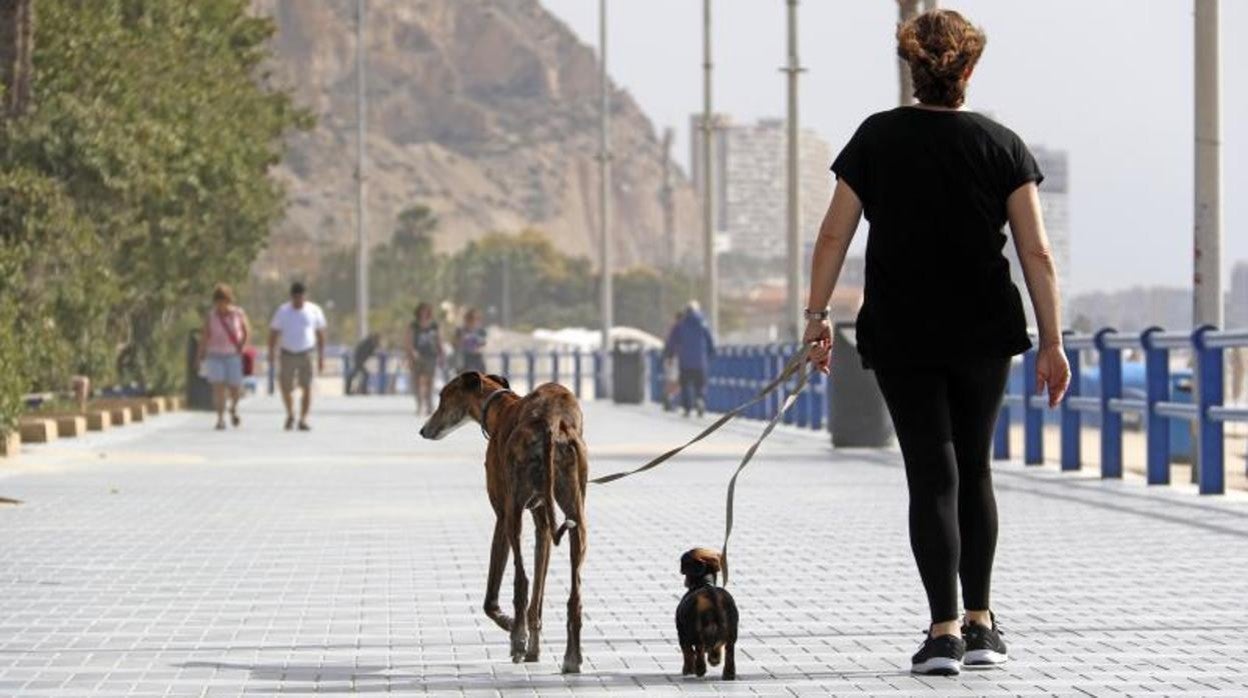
(737,372)
(1102,393)
(1155,409)
(525,370)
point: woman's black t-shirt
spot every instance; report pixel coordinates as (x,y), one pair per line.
(933,186)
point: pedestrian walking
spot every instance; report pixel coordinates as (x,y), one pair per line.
(470,342)
(364,350)
(424,356)
(941,319)
(671,370)
(223,341)
(298,329)
(691,343)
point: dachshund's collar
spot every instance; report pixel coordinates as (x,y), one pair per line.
(707,580)
(485,409)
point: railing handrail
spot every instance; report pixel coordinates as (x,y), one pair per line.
(1156,409)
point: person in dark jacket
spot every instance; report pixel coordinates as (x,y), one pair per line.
(363,352)
(691,343)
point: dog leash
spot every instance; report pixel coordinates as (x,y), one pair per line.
(796,366)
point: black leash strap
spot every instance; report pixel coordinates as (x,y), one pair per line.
(797,366)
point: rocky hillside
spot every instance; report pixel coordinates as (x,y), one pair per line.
(485,110)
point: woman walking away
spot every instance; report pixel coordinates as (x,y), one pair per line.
(424,355)
(470,341)
(224,337)
(940,318)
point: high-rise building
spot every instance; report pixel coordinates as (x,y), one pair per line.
(751,183)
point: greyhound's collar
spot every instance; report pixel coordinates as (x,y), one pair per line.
(485,409)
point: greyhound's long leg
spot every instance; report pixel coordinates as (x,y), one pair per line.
(572,657)
(498,559)
(541,560)
(515,518)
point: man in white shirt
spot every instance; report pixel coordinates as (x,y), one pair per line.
(298,327)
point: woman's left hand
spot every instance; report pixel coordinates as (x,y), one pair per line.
(818,336)
(1052,372)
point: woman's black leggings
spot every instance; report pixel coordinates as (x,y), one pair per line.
(944,418)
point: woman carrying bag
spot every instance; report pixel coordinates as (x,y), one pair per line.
(224,354)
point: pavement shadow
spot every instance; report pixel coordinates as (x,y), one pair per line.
(332,678)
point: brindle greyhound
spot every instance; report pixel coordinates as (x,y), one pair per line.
(535,459)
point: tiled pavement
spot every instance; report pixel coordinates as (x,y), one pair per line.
(167,559)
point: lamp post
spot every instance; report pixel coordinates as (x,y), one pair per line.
(361,234)
(906,10)
(710,264)
(604,191)
(794,217)
(1207,249)
(1207,226)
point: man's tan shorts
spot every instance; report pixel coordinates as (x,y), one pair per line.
(295,368)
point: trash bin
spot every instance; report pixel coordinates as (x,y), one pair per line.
(857,415)
(198,391)
(628,372)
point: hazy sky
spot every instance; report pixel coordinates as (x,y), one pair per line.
(1109,81)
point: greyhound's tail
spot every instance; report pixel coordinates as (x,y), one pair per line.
(556,531)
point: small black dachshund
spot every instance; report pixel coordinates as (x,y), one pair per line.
(706,618)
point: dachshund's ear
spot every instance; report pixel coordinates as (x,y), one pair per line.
(699,562)
(471,380)
(500,380)
(711,560)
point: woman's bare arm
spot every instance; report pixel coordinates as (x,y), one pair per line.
(1036,257)
(831,248)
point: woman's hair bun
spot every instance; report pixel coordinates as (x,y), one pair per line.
(940,46)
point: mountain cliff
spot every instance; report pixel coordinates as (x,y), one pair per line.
(484,110)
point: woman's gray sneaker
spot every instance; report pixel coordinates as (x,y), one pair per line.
(984,646)
(939,656)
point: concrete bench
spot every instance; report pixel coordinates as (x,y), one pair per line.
(10,444)
(155,405)
(134,408)
(69,425)
(119,415)
(99,420)
(37,430)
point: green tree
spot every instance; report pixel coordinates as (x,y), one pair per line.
(137,179)
(544,287)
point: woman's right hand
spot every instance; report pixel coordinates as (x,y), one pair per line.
(1052,372)
(818,336)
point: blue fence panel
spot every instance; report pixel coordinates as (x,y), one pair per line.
(1102,394)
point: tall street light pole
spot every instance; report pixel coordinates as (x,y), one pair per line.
(711,267)
(361,234)
(1207,228)
(604,186)
(1207,252)
(793,68)
(906,10)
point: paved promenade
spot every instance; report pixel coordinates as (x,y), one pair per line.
(168,559)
